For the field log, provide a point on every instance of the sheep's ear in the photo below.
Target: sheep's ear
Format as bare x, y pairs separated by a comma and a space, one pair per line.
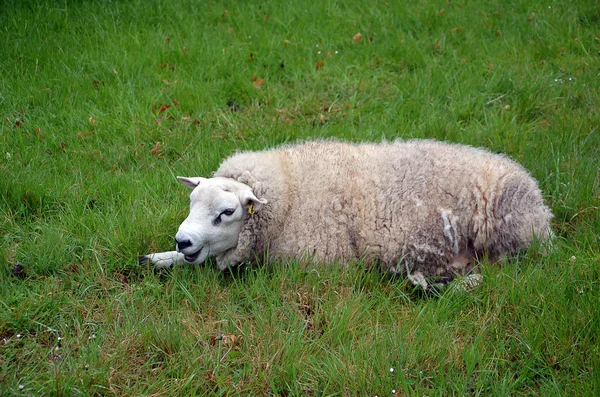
251, 202
190, 182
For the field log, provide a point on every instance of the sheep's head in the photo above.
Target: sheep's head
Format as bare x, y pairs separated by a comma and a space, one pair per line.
218, 209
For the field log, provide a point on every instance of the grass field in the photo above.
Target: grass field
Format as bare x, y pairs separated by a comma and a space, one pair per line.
102, 103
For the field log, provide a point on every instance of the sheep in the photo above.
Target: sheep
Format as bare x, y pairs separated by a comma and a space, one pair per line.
423, 209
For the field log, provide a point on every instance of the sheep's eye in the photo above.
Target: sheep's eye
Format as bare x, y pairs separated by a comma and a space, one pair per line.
228, 212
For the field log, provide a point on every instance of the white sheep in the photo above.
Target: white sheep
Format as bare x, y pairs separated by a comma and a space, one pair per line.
422, 208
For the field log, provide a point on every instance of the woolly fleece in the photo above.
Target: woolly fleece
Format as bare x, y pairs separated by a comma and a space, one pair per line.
417, 207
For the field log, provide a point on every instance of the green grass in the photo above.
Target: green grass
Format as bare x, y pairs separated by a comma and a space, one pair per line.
83, 193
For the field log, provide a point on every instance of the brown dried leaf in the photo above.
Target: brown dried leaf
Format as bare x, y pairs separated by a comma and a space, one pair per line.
156, 149
456, 30
163, 107
257, 82
320, 63
357, 38
38, 133
123, 279
83, 134
229, 340
167, 65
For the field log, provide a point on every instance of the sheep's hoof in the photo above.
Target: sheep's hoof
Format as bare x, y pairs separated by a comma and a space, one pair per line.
142, 260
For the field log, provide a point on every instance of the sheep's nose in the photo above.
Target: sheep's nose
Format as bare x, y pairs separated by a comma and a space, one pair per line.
183, 244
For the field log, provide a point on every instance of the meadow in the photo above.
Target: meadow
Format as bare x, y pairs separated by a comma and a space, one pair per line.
103, 103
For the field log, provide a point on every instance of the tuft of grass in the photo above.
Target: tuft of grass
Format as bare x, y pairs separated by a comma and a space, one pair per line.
103, 103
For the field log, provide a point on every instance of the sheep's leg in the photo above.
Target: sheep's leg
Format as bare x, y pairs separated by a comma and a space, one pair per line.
162, 260
416, 277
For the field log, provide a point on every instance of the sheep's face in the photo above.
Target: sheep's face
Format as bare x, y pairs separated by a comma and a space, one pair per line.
218, 209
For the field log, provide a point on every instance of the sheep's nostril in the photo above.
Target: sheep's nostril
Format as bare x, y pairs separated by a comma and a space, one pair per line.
183, 244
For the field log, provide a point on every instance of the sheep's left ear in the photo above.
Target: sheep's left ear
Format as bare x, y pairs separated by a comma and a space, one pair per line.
190, 182
251, 202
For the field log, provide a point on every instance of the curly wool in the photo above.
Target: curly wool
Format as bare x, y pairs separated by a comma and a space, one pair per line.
416, 206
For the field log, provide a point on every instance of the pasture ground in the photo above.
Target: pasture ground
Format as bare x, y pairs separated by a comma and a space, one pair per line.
102, 103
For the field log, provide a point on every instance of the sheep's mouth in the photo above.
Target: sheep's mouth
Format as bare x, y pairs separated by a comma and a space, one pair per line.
192, 257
